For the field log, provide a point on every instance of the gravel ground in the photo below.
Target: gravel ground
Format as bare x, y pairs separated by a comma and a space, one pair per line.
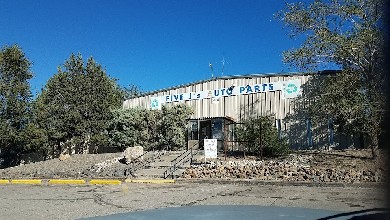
77, 166
107, 165
81, 201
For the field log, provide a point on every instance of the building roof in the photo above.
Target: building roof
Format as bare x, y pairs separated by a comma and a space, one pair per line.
208, 118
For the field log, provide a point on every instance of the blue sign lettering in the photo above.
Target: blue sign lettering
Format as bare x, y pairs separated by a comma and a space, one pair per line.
248, 89
223, 91
242, 89
229, 91
264, 85
257, 88
289, 87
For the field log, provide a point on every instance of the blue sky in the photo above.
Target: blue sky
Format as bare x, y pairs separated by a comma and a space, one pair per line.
149, 43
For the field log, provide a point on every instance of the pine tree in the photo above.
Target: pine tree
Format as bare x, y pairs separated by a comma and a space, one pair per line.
15, 98
75, 106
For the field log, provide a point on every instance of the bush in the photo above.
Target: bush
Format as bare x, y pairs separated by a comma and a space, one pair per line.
259, 135
152, 129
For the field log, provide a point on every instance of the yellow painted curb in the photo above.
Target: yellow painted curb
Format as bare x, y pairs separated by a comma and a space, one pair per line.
55, 181
111, 182
26, 181
4, 181
157, 181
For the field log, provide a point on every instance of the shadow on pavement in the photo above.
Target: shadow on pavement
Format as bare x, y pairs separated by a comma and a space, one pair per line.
227, 212
363, 214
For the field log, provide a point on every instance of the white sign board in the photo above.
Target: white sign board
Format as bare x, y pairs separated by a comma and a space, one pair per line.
290, 89
210, 148
155, 103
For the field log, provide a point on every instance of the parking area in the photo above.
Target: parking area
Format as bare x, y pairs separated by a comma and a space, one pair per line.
80, 201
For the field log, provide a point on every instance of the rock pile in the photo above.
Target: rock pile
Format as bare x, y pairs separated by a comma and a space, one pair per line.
313, 167
118, 166
293, 168
105, 164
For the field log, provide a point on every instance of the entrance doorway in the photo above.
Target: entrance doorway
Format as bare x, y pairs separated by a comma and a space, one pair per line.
208, 128
204, 131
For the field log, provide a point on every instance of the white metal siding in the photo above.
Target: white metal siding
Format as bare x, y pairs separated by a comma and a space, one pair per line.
240, 106
237, 107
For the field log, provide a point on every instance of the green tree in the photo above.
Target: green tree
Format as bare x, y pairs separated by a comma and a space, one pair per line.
134, 126
348, 34
15, 98
259, 135
152, 129
173, 126
131, 91
75, 106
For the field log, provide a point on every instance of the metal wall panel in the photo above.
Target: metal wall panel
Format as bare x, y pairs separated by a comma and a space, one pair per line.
236, 107
241, 106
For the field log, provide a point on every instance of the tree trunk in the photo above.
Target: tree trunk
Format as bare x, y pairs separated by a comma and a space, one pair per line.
374, 145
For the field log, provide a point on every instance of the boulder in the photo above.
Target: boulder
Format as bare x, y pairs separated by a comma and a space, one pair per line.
63, 157
133, 154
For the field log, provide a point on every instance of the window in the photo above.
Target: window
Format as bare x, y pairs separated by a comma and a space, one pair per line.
216, 129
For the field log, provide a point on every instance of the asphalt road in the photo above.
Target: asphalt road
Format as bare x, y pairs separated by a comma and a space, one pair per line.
234, 212
82, 201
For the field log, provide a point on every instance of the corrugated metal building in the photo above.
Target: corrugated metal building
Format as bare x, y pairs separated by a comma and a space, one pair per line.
237, 97
234, 106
